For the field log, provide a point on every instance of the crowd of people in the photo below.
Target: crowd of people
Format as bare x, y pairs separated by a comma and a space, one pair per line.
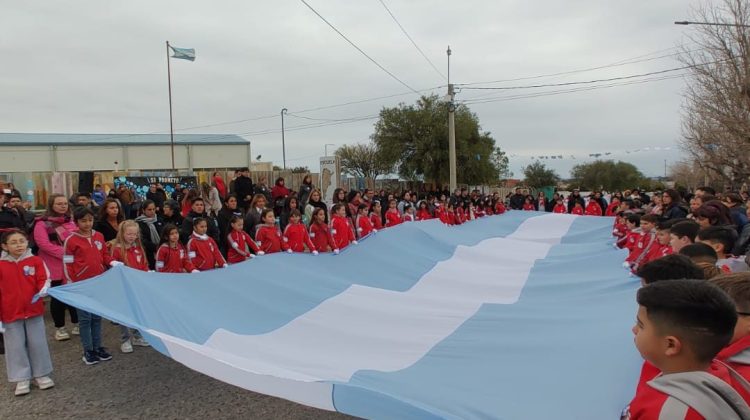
698, 324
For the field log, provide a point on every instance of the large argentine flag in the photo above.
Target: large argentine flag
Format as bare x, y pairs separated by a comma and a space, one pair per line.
521, 316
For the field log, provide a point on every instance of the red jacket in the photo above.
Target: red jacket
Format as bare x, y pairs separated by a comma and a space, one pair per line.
296, 237
730, 355
449, 218
376, 221
593, 208
500, 207
219, 182
529, 207
577, 210
643, 246
648, 402
341, 231
204, 253
423, 214
611, 209
320, 234
559, 208
239, 245
84, 257
407, 217
136, 257
173, 260
392, 218
20, 280
269, 239
364, 226
460, 215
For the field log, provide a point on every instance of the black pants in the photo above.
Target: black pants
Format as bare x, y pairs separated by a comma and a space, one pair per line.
57, 309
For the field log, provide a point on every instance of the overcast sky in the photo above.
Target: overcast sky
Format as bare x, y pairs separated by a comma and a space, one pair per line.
100, 67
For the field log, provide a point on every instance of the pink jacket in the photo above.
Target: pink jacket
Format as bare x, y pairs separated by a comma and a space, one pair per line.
51, 252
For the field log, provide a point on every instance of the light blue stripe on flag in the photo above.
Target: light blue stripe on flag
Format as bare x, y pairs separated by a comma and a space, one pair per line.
183, 53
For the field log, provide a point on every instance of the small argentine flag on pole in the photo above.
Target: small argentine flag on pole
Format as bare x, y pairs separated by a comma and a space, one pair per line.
183, 53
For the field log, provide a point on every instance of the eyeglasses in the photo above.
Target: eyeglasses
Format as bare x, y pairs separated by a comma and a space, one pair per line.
743, 313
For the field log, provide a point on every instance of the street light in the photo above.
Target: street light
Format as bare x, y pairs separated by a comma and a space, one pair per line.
283, 146
687, 22
326, 148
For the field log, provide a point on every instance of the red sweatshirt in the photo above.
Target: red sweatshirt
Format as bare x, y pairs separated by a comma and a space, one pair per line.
84, 257
134, 257
364, 226
735, 355
341, 231
408, 217
173, 260
612, 209
376, 221
643, 246
423, 214
559, 208
320, 234
240, 244
528, 207
593, 209
20, 280
392, 218
500, 207
577, 210
269, 239
296, 237
204, 253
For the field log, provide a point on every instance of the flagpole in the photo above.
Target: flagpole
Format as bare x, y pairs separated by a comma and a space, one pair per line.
171, 127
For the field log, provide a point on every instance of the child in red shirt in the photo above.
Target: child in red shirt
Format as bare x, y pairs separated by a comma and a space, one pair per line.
341, 229
171, 257
408, 214
392, 216
559, 206
296, 236
593, 208
239, 242
127, 249
423, 213
646, 240
681, 326
363, 223
376, 218
737, 353
320, 233
577, 209
500, 207
202, 249
85, 256
528, 205
268, 235
24, 277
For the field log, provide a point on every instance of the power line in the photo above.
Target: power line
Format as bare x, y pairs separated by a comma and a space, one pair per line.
412, 41
581, 82
358, 49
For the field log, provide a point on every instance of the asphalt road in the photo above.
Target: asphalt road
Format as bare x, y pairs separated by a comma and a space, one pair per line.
142, 384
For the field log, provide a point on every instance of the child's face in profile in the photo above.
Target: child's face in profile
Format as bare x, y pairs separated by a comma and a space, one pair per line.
201, 228
238, 224
630, 225
647, 338
646, 226
663, 236
269, 218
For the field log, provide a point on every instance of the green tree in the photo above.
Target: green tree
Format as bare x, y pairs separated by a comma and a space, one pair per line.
363, 160
413, 139
607, 175
300, 170
538, 175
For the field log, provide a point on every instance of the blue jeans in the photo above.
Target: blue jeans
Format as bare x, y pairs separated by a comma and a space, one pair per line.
90, 326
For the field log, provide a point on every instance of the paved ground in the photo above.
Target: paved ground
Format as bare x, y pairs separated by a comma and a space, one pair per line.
142, 384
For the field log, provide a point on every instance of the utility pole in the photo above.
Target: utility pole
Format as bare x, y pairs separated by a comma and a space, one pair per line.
283, 146
451, 128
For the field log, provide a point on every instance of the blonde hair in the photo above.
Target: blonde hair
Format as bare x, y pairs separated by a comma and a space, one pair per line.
119, 240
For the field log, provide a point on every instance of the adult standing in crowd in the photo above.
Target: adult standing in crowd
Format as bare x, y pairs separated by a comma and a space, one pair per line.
50, 232
157, 195
198, 209
243, 188
126, 198
517, 200
672, 205
279, 194
737, 211
172, 213
230, 208
150, 227
110, 217
218, 182
304, 191
9, 219
212, 198
574, 198
315, 202
262, 188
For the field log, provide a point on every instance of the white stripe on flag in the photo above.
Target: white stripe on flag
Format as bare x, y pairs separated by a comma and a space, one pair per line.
375, 329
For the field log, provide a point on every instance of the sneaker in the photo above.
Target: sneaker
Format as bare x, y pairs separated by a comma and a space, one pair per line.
45, 382
90, 358
23, 388
103, 354
126, 347
139, 341
75, 330
62, 334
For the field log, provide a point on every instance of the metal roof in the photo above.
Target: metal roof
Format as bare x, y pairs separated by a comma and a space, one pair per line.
66, 139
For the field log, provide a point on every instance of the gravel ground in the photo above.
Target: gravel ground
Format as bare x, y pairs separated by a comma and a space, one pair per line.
142, 384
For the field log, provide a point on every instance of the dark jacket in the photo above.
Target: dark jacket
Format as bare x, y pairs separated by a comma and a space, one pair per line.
252, 219
516, 201
675, 211
187, 227
243, 186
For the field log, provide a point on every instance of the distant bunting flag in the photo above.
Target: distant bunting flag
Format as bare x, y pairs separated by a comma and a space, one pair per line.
183, 53
520, 316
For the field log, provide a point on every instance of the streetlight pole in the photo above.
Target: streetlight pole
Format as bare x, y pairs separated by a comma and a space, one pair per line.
687, 22
283, 146
326, 148
451, 128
